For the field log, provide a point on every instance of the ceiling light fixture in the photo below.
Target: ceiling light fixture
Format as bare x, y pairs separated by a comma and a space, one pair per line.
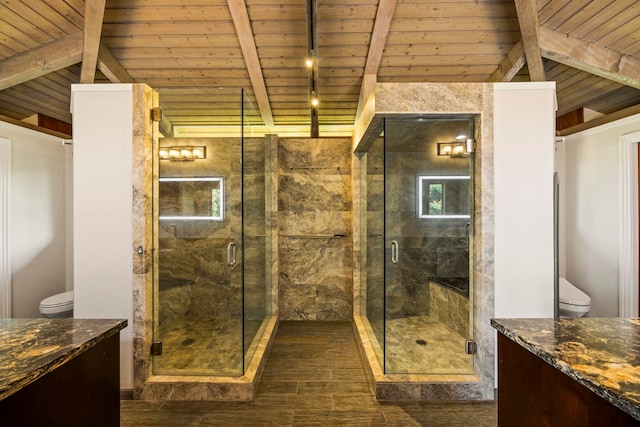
312, 14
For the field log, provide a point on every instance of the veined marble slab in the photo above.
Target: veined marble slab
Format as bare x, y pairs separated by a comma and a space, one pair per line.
602, 354
30, 348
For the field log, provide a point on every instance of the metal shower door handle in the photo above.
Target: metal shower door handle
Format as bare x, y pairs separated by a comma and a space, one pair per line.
395, 252
231, 254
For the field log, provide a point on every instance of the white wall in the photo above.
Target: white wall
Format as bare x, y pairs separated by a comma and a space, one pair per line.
103, 242
524, 129
592, 212
39, 188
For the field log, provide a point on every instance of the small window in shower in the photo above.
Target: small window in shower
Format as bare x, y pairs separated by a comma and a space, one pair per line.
191, 198
443, 196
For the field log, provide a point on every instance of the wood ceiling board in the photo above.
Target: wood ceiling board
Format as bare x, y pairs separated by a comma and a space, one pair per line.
10, 19
170, 41
236, 74
178, 53
154, 14
603, 18
34, 18
456, 9
444, 50
618, 26
611, 102
566, 12
26, 100
176, 28
624, 38
586, 12
457, 25
278, 13
446, 37
58, 13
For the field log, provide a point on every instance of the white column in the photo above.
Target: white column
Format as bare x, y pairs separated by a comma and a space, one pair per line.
102, 213
524, 134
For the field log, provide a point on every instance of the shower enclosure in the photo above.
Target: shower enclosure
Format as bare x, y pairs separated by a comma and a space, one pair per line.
212, 284
417, 228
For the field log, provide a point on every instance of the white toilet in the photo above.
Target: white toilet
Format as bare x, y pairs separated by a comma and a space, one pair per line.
58, 305
573, 302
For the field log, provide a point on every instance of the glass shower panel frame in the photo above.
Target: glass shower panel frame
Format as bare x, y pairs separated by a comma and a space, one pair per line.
427, 258
198, 276
256, 232
372, 244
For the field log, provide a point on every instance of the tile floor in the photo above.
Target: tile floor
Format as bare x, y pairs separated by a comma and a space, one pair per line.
313, 377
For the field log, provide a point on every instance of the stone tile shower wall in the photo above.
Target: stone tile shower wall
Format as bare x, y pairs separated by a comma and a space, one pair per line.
428, 247
315, 217
194, 279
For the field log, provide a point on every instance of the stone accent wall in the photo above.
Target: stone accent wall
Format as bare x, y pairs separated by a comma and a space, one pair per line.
314, 204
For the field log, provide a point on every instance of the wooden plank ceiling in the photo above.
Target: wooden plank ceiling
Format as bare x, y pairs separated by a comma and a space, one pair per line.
200, 54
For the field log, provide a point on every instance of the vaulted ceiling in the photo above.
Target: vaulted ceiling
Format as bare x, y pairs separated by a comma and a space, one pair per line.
188, 49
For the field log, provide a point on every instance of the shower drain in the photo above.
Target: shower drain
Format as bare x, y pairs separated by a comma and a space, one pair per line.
421, 342
187, 342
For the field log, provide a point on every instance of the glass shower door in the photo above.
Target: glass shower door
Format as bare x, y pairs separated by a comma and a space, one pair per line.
427, 236
198, 296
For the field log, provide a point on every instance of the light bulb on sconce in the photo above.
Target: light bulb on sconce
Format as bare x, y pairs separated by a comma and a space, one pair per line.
199, 152
182, 153
309, 62
314, 102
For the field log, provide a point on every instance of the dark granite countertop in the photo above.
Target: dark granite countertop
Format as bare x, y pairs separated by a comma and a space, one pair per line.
30, 348
603, 354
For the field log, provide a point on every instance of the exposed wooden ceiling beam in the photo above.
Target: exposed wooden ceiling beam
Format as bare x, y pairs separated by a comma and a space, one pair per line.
512, 63
111, 67
93, 16
42, 60
527, 11
240, 17
376, 47
590, 57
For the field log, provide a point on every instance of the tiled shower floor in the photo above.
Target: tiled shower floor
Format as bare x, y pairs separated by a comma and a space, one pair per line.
423, 345
201, 346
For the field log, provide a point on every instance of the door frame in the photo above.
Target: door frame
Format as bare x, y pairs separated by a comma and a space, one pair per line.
628, 224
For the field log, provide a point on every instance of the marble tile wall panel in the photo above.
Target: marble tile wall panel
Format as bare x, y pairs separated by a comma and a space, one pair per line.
314, 204
450, 308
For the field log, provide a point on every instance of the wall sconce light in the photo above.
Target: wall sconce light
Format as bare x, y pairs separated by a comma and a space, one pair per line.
183, 153
452, 149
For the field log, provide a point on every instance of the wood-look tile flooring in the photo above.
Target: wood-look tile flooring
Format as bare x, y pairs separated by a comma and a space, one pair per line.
313, 377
